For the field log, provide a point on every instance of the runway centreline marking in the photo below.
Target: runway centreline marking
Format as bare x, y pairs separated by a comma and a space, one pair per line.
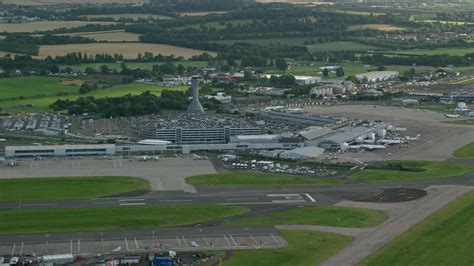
283, 195
244, 199
104, 202
131, 199
288, 201
132, 204
309, 197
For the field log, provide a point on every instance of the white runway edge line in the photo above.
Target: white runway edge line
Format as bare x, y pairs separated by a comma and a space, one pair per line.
132, 200
132, 204
309, 197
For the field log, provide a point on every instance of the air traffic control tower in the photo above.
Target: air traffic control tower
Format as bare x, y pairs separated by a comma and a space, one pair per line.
195, 107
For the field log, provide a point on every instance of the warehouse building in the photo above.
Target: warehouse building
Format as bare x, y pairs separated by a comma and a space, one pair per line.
377, 76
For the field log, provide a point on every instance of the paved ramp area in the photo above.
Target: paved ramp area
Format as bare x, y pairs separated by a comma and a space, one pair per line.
137, 241
401, 216
166, 174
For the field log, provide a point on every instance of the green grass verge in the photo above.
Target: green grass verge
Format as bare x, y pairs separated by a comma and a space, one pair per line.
111, 218
234, 178
305, 248
430, 170
33, 86
438, 51
465, 152
42, 101
444, 238
340, 46
316, 215
59, 188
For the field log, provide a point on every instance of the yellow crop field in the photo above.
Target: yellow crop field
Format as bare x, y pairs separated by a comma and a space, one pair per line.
46, 25
128, 50
381, 27
109, 36
128, 16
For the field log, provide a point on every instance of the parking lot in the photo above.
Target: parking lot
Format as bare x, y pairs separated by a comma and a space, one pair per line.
129, 242
165, 174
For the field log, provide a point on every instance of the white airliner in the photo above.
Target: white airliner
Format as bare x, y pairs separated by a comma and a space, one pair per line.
154, 142
393, 141
413, 138
368, 147
452, 116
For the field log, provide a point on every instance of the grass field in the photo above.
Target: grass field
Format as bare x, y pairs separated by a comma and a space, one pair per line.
33, 86
461, 122
340, 46
430, 170
204, 13
109, 36
444, 238
128, 16
26, 87
46, 25
438, 51
234, 178
380, 27
128, 50
436, 107
68, 187
465, 152
305, 248
316, 215
361, 13
111, 218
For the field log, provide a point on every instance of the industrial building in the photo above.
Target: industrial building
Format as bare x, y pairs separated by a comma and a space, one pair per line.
302, 119
377, 76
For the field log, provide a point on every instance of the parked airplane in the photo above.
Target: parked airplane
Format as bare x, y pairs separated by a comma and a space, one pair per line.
392, 141
368, 147
452, 116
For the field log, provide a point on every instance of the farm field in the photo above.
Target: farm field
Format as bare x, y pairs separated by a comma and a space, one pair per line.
46, 25
50, 2
441, 239
204, 13
128, 16
315, 215
340, 46
33, 86
466, 151
133, 65
362, 13
418, 170
128, 50
305, 248
381, 27
438, 51
448, 22
218, 25
42, 103
109, 36
269, 41
60, 188
111, 218
234, 178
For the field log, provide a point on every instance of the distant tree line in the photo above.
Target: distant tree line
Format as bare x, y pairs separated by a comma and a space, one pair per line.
128, 105
26, 44
421, 60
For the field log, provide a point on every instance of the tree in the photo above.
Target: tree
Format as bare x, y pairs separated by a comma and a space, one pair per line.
55, 69
325, 72
104, 69
90, 71
339, 72
281, 64
181, 69
381, 68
